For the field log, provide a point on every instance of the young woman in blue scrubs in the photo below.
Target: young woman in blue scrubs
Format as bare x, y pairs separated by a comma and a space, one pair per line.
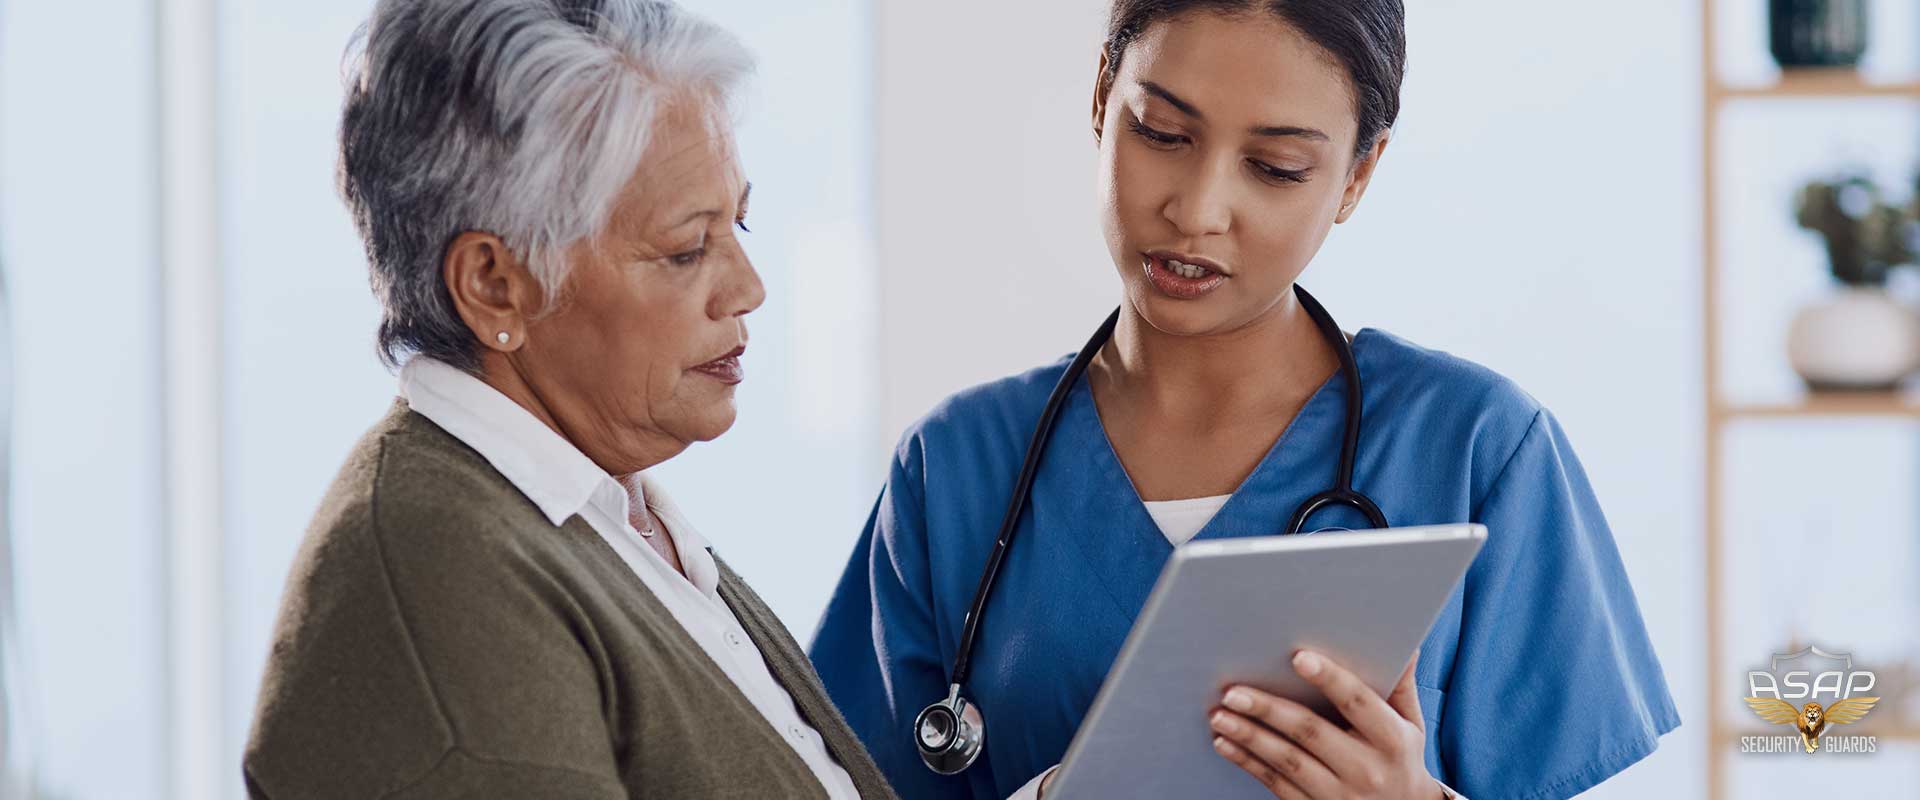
1233, 136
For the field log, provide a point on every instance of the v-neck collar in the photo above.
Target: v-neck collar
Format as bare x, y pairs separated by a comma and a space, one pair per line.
1128, 554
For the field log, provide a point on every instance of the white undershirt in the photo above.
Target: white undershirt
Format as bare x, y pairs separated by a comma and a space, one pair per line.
562, 482
1181, 520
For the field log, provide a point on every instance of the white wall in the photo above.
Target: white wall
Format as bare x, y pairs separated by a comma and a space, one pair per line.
990, 254
301, 381
76, 212
1536, 213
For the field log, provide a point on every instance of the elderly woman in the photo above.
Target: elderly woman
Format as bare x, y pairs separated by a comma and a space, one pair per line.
493, 599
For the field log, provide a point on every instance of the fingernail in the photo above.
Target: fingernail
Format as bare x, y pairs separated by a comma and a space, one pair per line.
1306, 663
1222, 746
1225, 723
1239, 700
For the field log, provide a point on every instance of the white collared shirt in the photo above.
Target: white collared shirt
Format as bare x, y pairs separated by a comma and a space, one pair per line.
562, 482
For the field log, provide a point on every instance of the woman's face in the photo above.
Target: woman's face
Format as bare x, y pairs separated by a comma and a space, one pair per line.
1227, 146
641, 356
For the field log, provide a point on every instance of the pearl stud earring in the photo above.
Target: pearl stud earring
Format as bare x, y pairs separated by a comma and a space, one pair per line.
503, 338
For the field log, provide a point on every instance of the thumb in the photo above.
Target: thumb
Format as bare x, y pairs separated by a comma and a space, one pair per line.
1406, 696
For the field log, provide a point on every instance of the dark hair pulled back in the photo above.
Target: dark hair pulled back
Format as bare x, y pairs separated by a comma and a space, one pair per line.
1367, 37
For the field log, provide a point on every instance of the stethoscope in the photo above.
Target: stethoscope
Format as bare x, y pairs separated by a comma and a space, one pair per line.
950, 733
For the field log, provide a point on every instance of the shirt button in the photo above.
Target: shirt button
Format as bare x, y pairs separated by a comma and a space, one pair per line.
733, 639
797, 733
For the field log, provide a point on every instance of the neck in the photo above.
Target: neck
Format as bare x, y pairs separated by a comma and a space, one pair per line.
1274, 361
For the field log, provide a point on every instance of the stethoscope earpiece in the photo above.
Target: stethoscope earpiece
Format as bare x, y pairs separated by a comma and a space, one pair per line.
950, 734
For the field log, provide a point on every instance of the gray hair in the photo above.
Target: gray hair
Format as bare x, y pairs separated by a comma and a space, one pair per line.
521, 118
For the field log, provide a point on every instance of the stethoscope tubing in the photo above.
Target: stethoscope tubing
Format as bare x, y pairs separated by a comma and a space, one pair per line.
962, 730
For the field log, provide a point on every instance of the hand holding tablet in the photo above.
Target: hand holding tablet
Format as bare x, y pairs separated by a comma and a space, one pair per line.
1236, 613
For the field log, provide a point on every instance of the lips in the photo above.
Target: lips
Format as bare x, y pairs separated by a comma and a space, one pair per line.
1182, 277
725, 369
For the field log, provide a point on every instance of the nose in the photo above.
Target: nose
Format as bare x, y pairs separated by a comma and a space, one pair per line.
741, 293
1201, 203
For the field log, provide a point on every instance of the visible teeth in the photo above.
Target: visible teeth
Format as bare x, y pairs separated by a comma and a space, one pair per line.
1186, 270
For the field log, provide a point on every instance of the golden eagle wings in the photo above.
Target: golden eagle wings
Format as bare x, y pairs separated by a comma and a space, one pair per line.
1811, 719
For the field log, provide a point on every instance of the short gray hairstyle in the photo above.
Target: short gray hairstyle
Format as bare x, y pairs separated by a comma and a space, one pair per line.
521, 118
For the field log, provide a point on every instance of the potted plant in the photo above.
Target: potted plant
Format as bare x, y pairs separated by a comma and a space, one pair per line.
1817, 33
1859, 337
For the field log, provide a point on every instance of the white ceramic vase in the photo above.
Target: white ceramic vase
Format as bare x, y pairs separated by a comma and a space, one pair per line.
1858, 339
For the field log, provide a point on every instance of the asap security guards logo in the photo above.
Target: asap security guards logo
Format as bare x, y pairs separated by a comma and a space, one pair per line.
1810, 691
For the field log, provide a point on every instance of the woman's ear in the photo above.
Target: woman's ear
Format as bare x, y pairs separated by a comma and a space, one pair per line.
1102, 84
1361, 178
491, 289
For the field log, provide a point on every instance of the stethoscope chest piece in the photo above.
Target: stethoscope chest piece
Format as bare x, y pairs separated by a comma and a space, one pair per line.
950, 734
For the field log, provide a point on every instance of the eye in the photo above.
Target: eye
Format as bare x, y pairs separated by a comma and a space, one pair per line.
741, 223
690, 258
1274, 174
1155, 138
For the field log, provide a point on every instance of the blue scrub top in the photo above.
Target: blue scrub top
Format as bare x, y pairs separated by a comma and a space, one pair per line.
1537, 681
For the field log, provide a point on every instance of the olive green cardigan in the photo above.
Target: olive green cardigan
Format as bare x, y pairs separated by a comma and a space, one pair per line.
441, 638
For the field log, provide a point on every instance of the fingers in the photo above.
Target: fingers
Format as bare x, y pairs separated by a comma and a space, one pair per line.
1359, 704
1285, 772
1288, 732
1405, 698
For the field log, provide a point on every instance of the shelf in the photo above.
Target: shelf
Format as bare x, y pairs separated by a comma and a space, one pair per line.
1816, 84
1829, 404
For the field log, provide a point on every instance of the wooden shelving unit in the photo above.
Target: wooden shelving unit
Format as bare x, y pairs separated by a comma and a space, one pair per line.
1828, 405
1808, 84
1814, 84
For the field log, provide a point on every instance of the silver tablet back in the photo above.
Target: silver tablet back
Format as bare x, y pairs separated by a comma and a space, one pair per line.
1233, 611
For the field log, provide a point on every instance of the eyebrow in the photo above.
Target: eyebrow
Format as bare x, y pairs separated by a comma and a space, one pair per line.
1172, 99
714, 212
1281, 131
1293, 131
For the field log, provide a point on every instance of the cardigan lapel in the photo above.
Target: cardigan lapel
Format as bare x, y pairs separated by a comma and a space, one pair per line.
794, 671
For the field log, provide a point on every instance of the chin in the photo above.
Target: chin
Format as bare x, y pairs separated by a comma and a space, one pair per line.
715, 422
1211, 314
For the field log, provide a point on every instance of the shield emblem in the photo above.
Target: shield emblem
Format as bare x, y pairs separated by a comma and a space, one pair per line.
1812, 659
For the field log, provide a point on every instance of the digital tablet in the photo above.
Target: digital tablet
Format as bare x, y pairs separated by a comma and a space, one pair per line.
1233, 611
